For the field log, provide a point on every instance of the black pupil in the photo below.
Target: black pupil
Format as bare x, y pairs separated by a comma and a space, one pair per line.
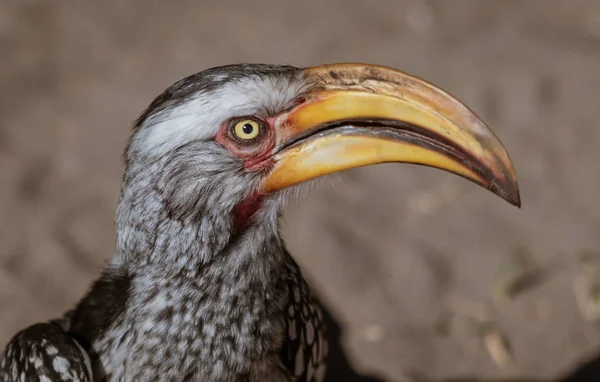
248, 129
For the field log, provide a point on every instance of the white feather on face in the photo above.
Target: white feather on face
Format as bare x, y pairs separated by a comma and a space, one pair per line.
200, 116
179, 174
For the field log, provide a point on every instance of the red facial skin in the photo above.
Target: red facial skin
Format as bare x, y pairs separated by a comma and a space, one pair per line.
256, 157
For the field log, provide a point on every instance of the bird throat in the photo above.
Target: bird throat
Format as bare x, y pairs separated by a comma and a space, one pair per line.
245, 211
192, 284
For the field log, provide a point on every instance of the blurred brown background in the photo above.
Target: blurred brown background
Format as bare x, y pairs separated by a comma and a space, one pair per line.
412, 260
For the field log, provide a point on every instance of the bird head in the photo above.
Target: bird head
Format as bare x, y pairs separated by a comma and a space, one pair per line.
231, 140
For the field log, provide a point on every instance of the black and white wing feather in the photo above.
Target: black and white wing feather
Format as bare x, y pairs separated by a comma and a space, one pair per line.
304, 352
46, 353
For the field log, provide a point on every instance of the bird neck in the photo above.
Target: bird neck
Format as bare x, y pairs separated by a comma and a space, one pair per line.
154, 237
194, 285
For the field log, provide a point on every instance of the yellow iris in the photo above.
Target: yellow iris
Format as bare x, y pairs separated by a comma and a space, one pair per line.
246, 129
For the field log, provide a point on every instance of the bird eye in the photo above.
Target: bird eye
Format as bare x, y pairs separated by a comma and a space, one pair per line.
246, 129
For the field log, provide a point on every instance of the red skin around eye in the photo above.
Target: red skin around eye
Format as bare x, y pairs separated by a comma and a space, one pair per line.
256, 157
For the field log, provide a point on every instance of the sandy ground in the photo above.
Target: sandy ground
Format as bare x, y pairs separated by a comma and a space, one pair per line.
408, 257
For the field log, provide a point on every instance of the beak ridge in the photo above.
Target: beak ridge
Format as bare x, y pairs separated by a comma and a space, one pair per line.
357, 115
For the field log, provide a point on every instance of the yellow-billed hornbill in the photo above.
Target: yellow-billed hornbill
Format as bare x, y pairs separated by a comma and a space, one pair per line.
201, 286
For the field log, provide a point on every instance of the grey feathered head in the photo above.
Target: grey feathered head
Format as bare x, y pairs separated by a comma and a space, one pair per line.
224, 143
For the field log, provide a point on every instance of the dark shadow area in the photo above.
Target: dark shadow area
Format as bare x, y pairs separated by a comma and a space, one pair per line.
339, 367
587, 371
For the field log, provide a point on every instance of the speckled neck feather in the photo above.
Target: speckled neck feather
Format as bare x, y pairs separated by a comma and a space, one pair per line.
201, 286
192, 282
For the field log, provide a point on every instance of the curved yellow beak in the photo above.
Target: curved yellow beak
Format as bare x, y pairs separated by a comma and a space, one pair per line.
357, 115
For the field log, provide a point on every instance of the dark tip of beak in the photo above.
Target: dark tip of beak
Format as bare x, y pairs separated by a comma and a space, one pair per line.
508, 191
515, 199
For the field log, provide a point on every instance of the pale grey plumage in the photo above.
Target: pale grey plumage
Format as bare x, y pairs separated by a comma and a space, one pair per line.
190, 294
